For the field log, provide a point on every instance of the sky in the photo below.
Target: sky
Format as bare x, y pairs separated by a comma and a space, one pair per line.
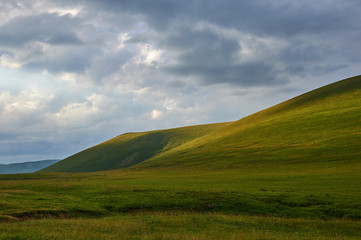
75, 73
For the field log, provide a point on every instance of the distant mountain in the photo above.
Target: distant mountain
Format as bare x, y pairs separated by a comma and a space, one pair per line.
25, 167
323, 125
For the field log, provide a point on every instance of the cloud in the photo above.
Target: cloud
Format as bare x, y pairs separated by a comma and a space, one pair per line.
6, 61
74, 11
149, 55
215, 58
47, 28
156, 114
209, 43
23, 106
239, 35
89, 70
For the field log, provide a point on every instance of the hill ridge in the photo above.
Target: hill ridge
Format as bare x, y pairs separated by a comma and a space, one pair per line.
131, 148
339, 87
304, 126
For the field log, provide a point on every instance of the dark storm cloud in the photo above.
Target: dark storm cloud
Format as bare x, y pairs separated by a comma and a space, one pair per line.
276, 17
314, 33
317, 37
285, 18
250, 74
212, 58
46, 41
157, 13
67, 60
48, 28
139, 38
105, 64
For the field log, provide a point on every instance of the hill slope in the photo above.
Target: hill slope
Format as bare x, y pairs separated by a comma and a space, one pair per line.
321, 125
130, 148
25, 167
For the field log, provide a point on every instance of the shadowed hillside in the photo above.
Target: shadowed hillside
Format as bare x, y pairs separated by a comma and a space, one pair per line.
130, 148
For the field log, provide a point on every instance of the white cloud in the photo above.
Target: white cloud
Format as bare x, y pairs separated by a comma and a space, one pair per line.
156, 114
121, 39
68, 77
80, 113
6, 61
149, 55
64, 11
30, 100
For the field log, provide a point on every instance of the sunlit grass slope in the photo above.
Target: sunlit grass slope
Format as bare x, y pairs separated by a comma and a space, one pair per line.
320, 126
130, 148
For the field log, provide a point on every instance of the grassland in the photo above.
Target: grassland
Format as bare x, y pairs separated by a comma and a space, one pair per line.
144, 204
289, 172
181, 226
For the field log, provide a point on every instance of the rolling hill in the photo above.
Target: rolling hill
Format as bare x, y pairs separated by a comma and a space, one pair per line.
318, 126
130, 148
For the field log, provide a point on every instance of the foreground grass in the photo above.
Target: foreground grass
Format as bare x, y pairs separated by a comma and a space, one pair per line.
299, 200
167, 225
293, 190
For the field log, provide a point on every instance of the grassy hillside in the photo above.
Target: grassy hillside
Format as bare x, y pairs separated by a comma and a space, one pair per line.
25, 167
322, 125
130, 148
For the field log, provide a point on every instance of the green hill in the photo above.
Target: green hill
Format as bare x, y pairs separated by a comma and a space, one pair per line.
321, 125
130, 148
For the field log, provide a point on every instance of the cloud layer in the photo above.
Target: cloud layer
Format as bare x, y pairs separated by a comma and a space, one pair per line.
74, 73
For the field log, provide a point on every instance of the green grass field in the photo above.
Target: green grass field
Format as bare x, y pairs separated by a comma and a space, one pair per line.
168, 204
289, 172
161, 225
